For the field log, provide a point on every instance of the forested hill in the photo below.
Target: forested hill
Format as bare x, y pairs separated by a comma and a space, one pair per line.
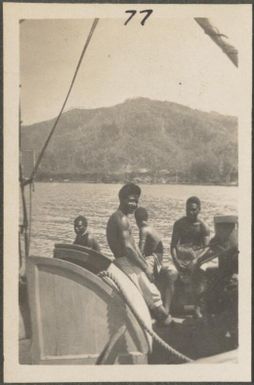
139, 137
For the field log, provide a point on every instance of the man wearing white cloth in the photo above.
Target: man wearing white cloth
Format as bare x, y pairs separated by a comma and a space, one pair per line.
127, 255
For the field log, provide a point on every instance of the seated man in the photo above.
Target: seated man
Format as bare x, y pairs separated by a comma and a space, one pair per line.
189, 240
221, 297
127, 255
84, 238
151, 247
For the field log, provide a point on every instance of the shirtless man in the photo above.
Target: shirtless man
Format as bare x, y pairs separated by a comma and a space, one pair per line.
127, 255
151, 247
84, 238
189, 238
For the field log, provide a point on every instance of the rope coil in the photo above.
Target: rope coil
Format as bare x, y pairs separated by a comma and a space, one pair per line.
158, 339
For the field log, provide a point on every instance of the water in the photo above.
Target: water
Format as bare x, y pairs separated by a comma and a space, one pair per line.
55, 206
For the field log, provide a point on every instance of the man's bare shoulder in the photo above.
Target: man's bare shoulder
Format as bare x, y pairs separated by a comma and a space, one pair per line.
90, 237
180, 222
148, 230
204, 226
145, 230
118, 218
202, 222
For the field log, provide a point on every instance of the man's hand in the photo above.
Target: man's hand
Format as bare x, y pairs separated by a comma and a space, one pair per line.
181, 267
22, 274
149, 273
193, 265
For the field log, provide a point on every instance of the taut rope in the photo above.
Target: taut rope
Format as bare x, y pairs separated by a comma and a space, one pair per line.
168, 348
65, 101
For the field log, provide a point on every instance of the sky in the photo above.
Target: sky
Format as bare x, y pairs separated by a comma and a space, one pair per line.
166, 59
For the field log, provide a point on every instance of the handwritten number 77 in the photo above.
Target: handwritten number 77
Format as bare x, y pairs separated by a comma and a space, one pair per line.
133, 12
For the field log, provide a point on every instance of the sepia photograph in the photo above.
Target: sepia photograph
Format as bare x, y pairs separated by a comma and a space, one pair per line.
127, 192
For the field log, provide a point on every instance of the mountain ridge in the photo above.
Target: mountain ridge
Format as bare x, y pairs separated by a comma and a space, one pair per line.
136, 134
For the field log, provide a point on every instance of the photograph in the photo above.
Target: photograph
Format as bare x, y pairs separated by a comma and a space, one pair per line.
127, 202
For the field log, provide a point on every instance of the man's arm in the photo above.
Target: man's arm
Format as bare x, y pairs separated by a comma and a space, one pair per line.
96, 246
143, 234
206, 234
131, 251
92, 243
207, 253
174, 241
142, 240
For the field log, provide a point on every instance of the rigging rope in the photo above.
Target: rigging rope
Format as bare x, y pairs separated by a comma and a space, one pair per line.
23, 228
31, 189
158, 339
95, 22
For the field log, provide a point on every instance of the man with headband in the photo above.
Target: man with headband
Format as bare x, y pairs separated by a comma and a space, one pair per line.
127, 255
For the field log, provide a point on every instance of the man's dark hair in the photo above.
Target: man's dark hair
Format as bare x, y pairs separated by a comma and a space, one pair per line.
195, 200
141, 214
129, 189
82, 219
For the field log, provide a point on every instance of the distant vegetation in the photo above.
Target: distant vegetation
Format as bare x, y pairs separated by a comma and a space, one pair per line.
140, 139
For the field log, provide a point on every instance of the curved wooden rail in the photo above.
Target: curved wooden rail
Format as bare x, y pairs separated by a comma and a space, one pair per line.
82, 256
76, 317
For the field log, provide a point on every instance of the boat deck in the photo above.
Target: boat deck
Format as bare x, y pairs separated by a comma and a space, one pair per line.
194, 338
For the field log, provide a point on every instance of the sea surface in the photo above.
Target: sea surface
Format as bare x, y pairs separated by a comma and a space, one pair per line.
55, 206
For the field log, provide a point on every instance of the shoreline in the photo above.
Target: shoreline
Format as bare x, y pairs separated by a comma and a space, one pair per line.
138, 182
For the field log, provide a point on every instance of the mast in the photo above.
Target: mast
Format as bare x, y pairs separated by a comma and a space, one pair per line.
24, 227
218, 38
95, 22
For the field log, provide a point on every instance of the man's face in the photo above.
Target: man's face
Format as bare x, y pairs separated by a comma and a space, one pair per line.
192, 211
79, 227
130, 203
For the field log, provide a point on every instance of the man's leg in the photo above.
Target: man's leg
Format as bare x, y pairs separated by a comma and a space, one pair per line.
199, 285
164, 280
149, 291
153, 299
150, 260
170, 275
